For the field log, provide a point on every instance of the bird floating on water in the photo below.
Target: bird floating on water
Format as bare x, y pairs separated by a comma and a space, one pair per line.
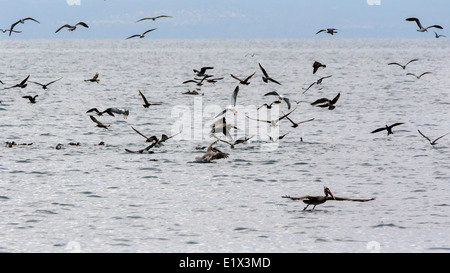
317, 200
266, 77
146, 103
387, 128
72, 28
434, 142
212, 153
21, 21
421, 28
404, 66
324, 102
141, 35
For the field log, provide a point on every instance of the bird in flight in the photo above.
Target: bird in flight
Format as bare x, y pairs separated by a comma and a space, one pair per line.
93, 79
72, 28
421, 28
316, 66
153, 18
244, 82
438, 35
387, 128
327, 102
404, 66
99, 124
295, 124
45, 86
280, 98
146, 103
266, 77
232, 106
274, 122
432, 142
32, 99
141, 35
319, 81
420, 76
331, 31
7, 30
21, 21
22, 84
201, 72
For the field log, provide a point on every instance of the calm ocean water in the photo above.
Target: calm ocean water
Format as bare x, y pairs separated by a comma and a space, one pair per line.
99, 198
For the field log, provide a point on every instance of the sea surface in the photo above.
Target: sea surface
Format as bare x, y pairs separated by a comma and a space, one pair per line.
100, 198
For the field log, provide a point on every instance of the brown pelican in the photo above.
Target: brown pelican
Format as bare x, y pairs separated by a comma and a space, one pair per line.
387, 128
421, 28
420, 76
21, 21
72, 28
99, 124
32, 99
295, 124
212, 153
434, 142
22, 84
404, 66
266, 77
280, 98
319, 81
316, 66
93, 79
232, 106
275, 121
438, 35
141, 35
45, 86
201, 72
244, 82
153, 18
328, 30
327, 102
317, 200
146, 103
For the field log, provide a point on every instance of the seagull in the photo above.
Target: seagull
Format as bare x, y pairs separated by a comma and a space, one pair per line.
438, 35
22, 84
418, 77
434, 142
212, 153
319, 81
221, 126
146, 103
266, 77
232, 106
94, 79
99, 124
404, 66
274, 122
421, 28
6, 30
387, 128
269, 106
327, 102
236, 142
72, 28
31, 98
201, 72
141, 35
244, 82
295, 124
45, 86
153, 18
280, 98
111, 111
316, 66
21, 21
317, 200
328, 30
278, 138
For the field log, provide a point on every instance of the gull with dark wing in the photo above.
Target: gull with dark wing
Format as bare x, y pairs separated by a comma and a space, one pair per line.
280, 98
438, 35
22, 84
93, 79
141, 35
316, 65
387, 128
274, 122
266, 77
146, 103
331, 31
232, 106
99, 124
434, 142
278, 138
32, 99
212, 153
404, 66
421, 28
147, 139
153, 18
243, 82
295, 124
45, 86
108, 111
269, 106
324, 102
72, 28
317, 200
21, 21
319, 81
111, 111
420, 76
221, 126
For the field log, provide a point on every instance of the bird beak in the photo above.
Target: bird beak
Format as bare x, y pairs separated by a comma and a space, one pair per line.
330, 193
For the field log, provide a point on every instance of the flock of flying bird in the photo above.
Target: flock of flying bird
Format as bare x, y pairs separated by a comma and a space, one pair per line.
221, 126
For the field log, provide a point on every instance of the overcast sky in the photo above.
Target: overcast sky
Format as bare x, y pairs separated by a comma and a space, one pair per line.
226, 18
